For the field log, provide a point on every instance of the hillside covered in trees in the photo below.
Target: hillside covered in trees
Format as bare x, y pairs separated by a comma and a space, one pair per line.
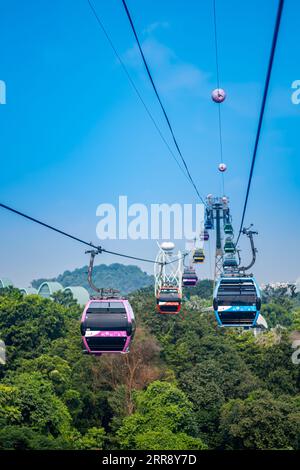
117, 276
185, 384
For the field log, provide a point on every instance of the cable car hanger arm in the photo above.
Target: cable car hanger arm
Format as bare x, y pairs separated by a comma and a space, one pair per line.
249, 233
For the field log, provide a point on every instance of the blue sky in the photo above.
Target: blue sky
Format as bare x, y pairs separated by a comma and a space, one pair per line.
73, 134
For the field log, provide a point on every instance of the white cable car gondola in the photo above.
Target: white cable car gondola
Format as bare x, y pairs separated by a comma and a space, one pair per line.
168, 279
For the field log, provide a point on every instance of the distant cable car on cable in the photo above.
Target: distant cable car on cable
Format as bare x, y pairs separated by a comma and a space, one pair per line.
198, 256
107, 323
237, 302
168, 279
230, 262
168, 300
228, 229
222, 167
204, 235
218, 95
189, 277
208, 221
229, 246
208, 224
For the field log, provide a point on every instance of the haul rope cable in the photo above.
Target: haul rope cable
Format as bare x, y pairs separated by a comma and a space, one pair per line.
160, 101
262, 110
135, 88
218, 87
90, 244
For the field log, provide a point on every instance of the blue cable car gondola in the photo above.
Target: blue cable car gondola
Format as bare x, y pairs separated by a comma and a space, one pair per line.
237, 302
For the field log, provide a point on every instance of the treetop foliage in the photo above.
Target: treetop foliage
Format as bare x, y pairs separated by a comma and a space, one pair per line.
186, 384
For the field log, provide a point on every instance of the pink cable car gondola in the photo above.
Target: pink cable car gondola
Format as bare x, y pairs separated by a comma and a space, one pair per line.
204, 235
107, 323
107, 326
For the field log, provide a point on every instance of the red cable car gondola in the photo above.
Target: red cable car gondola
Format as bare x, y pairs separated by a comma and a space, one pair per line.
168, 300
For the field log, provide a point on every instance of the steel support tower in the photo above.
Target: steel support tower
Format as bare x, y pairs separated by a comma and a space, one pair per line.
218, 211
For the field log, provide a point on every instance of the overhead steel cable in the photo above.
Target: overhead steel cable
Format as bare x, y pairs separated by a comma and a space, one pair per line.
100, 23
160, 101
68, 235
216, 43
218, 87
262, 110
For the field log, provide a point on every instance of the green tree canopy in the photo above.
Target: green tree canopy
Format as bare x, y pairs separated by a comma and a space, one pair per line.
260, 422
161, 407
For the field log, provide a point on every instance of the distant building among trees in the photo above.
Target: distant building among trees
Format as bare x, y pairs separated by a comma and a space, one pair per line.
48, 289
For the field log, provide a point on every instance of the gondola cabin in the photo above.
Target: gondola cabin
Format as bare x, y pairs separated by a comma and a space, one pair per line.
198, 256
107, 326
204, 235
168, 300
229, 246
189, 277
230, 262
237, 302
228, 229
208, 224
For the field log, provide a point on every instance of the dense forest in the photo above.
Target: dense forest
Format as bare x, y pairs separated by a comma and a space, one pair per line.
185, 384
126, 279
